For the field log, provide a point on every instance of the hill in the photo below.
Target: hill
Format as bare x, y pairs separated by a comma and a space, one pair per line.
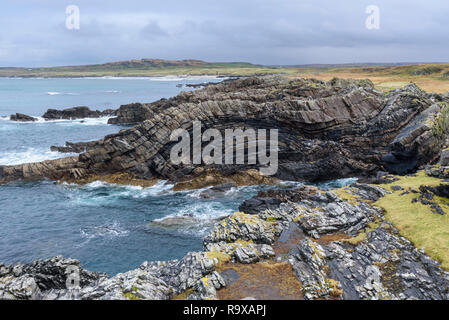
145, 67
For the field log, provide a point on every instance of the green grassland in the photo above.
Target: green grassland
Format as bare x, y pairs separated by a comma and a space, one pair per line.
148, 67
430, 77
415, 221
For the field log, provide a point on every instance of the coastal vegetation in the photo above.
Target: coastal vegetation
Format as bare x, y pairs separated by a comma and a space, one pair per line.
414, 220
429, 77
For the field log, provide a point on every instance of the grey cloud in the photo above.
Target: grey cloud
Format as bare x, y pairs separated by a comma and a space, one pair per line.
263, 31
152, 31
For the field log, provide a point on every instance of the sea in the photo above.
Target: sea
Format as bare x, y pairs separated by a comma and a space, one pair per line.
109, 228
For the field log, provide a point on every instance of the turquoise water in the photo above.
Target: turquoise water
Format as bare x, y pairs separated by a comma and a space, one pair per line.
109, 228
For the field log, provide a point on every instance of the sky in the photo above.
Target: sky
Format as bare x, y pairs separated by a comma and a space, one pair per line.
34, 33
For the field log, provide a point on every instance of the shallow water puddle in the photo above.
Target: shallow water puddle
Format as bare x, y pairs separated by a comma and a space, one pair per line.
267, 280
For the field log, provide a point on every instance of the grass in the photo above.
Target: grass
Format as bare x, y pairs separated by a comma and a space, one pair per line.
362, 234
430, 77
222, 257
184, 295
416, 221
147, 67
130, 296
344, 193
412, 182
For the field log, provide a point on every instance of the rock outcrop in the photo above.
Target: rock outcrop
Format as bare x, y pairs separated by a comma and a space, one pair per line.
327, 130
76, 113
336, 243
20, 117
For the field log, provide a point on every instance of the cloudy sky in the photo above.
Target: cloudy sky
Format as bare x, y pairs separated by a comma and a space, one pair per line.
275, 32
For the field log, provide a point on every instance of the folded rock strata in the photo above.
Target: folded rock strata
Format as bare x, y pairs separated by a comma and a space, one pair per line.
76, 113
327, 130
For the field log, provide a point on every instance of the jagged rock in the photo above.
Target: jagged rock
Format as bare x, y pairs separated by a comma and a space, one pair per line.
444, 158
53, 169
327, 130
245, 227
257, 204
22, 118
241, 251
34, 280
377, 264
383, 266
132, 113
317, 212
19, 288
417, 143
51, 273
437, 171
183, 274
309, 267
132, 285
213, 177
206, 288
217, 191
367, 192
76, 113
386, 266
78, 147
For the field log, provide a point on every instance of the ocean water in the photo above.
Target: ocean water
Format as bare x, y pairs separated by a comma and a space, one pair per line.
109, 228
29, 142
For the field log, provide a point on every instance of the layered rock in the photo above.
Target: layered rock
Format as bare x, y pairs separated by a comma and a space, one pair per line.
76, 113
338, 246
327, 130
20, 117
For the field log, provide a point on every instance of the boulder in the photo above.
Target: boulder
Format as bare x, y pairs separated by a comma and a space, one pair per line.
20, 117
76, 113
334, 129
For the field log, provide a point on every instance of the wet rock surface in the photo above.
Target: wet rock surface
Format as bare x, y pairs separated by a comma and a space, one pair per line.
76, 113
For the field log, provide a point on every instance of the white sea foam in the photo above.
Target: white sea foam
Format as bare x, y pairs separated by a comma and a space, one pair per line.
202, 211
292, 183
82, 121
107, 192
202, 215
56, 93
338, 183
107, 231
30, 155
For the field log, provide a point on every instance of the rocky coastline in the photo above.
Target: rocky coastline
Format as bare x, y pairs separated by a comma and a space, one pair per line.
333, 244
65, 114
327, 130
346, 243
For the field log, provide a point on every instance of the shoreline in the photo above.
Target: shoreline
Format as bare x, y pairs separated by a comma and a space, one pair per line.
169, 76
312, 235
244, 253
